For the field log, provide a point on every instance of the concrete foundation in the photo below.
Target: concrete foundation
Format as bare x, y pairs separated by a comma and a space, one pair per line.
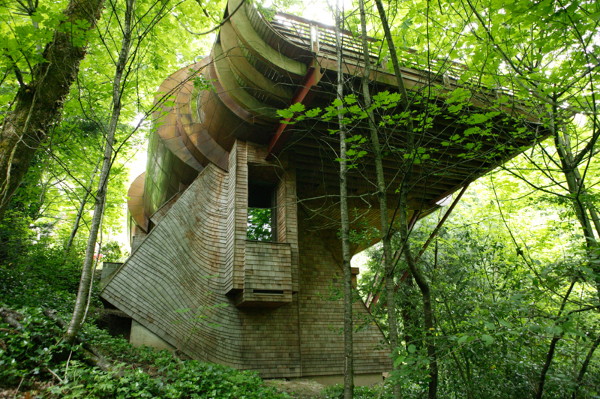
141, 336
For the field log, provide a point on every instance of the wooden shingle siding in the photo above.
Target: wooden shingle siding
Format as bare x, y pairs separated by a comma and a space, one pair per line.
201, 286
267, 274
287, 217
172, 283
237, 208
321, 313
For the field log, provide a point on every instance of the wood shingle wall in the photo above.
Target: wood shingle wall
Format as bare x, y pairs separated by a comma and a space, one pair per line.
198, 284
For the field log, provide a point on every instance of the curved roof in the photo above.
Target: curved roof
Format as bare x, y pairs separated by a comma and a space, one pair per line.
135, 202
258, 66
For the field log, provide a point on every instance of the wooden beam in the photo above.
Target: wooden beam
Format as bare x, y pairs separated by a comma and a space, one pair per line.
280, 137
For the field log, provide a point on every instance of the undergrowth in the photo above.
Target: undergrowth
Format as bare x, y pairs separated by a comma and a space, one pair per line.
35, 356
35, 362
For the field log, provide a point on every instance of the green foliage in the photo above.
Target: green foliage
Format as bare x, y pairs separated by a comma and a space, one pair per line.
40, 276
34, 271
260, 221
274, 6
15, 235
496, 304
112, 252
167, 378
36, 353
24, 31
29, 353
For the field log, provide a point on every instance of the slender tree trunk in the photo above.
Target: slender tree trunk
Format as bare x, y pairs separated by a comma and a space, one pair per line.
428, 319
422, 283
80, 211
584, 211
393, 54
406, 304
88, 265
586, 214
345, 223
39, 102
384, 225
465, 372
585, 365
539, 392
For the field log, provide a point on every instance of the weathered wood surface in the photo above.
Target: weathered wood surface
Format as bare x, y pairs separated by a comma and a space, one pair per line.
172, 284
176, 283
135, 202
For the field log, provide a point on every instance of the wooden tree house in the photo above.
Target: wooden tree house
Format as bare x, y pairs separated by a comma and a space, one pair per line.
194, 280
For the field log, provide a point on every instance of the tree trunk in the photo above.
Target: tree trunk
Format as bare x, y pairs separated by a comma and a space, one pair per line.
585, 365
345, 223
85, 282
428, 320
393, 54
384, 226
403, 212
80, 211
585, 212
539, 391
38, 104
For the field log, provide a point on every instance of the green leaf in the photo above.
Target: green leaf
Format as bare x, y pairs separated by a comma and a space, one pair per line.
463, 339
471, 130
285, 113
350, 99
399, 360
487, 339
297, 107
313, 112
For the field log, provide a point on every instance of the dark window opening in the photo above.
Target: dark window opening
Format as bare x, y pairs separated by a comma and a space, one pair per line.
261, 213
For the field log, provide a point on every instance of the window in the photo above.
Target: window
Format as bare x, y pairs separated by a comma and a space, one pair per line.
261, 212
